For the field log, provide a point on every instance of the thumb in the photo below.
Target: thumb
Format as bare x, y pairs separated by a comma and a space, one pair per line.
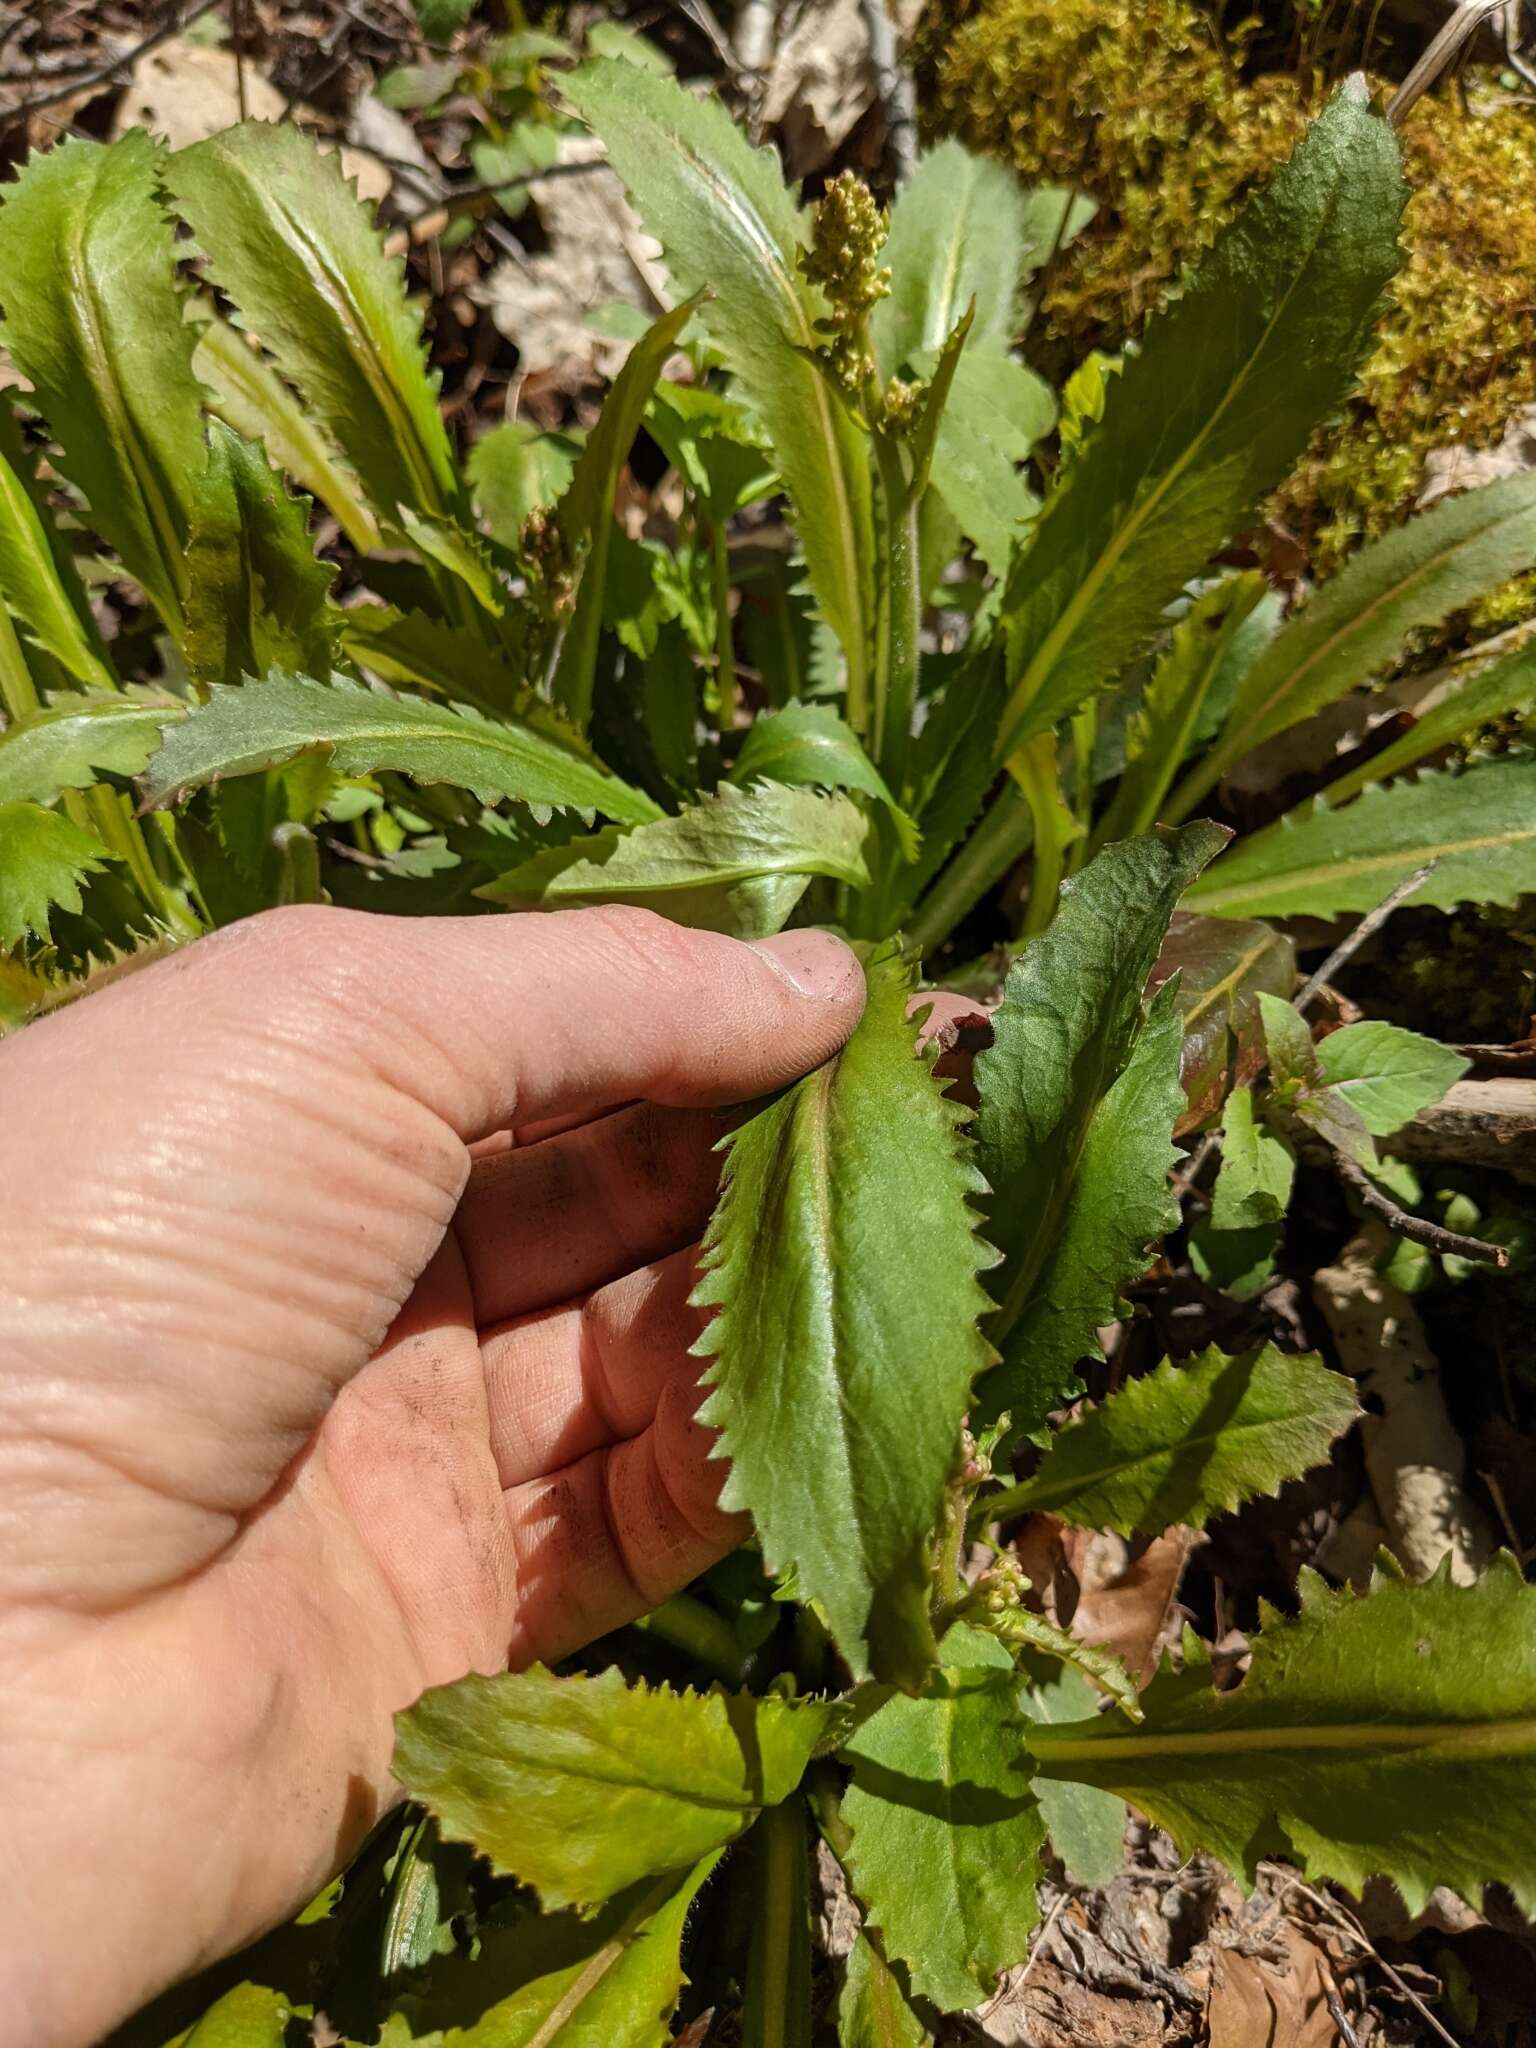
495, 1021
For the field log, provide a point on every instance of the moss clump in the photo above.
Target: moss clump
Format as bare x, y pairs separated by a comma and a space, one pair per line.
1142, 104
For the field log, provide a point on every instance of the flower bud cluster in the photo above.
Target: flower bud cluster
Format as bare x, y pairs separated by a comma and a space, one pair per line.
847, 235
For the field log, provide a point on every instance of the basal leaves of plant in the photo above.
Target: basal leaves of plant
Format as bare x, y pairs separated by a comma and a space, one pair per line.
282, 233
1479, 828
1080, 1091
1187, 1442
839, 1379
728, 226
93, 317
1208, 415
1359, 621
738, 862
946, 1831
78, 739
583, 1786
44, 857
259, 724
1392, 1731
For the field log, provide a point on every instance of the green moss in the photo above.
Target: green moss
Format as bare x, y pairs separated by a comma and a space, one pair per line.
1142, 104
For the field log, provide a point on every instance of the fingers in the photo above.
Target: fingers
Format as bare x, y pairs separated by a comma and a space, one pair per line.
500, 1022
618, 1532
551, 1221
572, 1379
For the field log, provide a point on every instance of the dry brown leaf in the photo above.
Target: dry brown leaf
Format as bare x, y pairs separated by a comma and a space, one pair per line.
1256, 2003
1128, 1594
821, 83
598, 253
1458, 468
1053, 2008
185, 91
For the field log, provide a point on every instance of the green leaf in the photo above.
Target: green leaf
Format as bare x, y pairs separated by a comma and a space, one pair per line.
582, 1786
809, 746
1393, 1732
1086, 1827
250, 2016
714, 445
1208, 415
42, 859
1358, 623
79, 739
872, 2009
946, 1831
586, 510
1257, 1169
729, 226
1494, 692
1079, 1094
997, 410
94, 320
736, 862
957, 234
515, 470
1387, 1075
285, 236
440, 19
461, 552
1480, 829
247, 394
31, 588
843, 1261
1292, 1055
1188, 1442
567, 1980
1163, 726
258, 598
242, 730
451, 661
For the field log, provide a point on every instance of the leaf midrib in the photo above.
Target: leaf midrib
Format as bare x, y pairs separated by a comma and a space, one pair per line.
1038, 672
1044, 1498
1243, 736
1455, 1736
737, 206
1363, 864
85, 320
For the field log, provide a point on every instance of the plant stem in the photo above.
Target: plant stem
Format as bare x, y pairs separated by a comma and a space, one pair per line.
1001, 838
688, 1625
1085, 736
18, 693
777, 2008
725, 653
900, 615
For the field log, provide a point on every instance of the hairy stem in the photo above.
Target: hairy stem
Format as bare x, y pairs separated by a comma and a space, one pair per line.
777, 2009
1002, 837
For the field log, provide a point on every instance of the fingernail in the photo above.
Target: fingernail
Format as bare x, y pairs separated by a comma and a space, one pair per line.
813, 963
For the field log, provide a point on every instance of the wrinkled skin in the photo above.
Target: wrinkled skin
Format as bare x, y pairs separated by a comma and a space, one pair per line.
344, 1331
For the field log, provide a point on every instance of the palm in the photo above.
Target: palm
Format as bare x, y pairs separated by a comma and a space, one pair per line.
317, 1395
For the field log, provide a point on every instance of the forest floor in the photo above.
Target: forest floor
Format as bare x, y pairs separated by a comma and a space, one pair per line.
513, 257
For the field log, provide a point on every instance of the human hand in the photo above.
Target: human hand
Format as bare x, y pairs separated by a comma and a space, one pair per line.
316, 1391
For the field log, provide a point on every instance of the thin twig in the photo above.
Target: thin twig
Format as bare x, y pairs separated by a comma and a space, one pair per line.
449, 206
1368, 926
102, 74
1351, 1929
894, 87
1417, 1229
1467, 18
